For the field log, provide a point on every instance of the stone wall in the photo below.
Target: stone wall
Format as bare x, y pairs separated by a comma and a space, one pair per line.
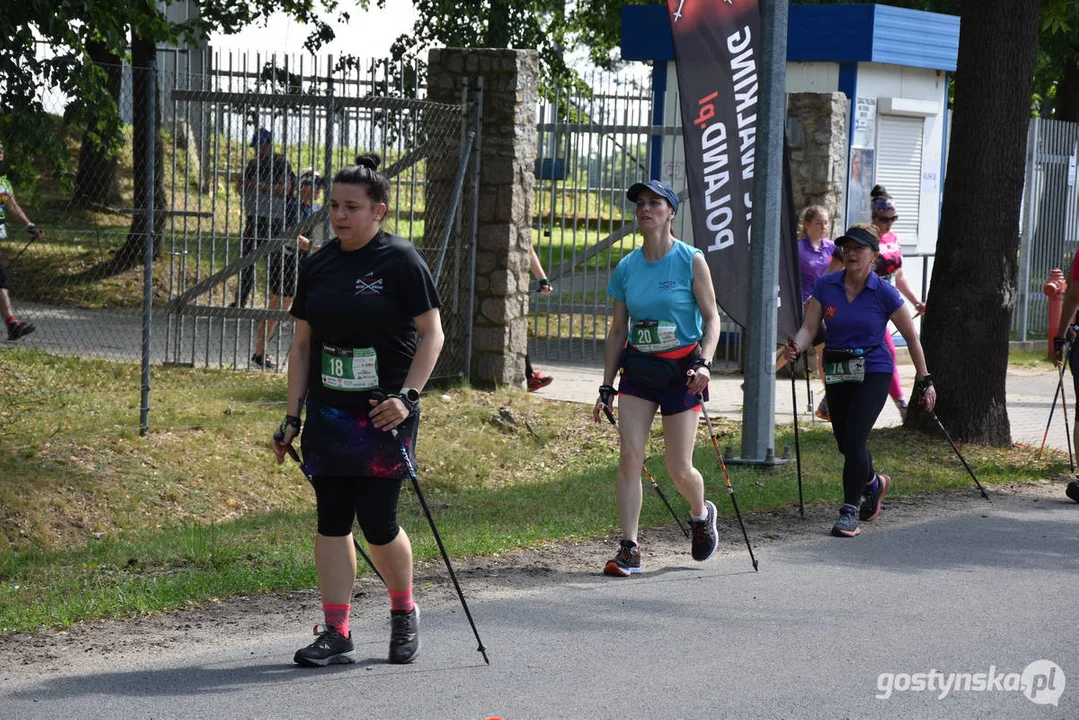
510, 81
817, 132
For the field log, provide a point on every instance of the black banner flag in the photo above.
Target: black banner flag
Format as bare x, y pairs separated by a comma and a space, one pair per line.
716, 47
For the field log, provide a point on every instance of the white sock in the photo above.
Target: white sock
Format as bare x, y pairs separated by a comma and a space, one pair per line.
699, 517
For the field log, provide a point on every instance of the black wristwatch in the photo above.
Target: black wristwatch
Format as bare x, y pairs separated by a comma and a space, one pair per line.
410, 397
290, 421
701, 362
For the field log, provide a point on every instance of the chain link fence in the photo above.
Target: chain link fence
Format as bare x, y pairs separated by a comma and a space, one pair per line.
239, 167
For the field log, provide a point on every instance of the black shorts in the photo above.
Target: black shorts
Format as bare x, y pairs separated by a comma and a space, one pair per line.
673, 397
282, 268
3, 276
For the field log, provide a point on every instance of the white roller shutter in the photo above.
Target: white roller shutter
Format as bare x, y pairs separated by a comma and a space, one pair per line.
899, 169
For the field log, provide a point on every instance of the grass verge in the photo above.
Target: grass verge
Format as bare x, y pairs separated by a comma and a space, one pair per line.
97, 522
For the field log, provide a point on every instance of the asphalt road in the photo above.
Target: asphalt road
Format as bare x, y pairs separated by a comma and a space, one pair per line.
987, 589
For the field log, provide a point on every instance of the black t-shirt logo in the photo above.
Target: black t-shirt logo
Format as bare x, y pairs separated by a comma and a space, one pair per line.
369, 285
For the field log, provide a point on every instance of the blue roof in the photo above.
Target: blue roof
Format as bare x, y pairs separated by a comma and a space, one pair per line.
824, 33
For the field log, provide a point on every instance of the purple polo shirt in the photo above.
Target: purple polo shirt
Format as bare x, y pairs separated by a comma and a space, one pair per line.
813, 262
861, 323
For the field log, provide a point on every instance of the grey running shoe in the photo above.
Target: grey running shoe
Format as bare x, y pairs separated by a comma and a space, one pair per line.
404, 635
872, 501
822, 410
901, 406
627, 562
331, 648
847, 525
705, 539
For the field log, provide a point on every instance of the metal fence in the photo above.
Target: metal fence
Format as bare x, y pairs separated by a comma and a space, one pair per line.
1050, 219
596, 138
81, 285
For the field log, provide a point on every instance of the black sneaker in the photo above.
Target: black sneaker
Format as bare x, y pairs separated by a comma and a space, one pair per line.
264, 361
1072, 490
627, 562
705, 540
871, 501
404, 635
331, 648
847, 525
19, 329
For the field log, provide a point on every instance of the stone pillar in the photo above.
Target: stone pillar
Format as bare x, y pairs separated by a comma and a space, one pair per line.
817, 132
507, 167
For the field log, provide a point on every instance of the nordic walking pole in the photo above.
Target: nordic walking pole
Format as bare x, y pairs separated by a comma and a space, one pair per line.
1064, 409
797, 444
381, 397
1060, 389
1052, 408
652, 480
296, 456
959, 454
809, 390
730, 488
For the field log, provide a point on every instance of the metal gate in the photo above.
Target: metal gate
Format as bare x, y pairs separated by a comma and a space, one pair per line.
594, 140
318, 119
1050, 219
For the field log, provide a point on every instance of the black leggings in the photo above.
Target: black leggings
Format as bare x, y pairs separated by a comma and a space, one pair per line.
854, 408
371, 500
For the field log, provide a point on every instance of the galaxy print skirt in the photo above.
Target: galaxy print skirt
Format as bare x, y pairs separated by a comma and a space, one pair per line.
345, 442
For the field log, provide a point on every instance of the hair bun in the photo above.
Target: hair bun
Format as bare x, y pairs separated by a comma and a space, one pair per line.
370, 160
879, 191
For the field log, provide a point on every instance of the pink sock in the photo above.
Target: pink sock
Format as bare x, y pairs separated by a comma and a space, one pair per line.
402, 600
336, 617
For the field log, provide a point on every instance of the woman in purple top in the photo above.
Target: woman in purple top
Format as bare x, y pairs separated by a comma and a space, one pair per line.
889, 266
857, 305
814, 249
814, 255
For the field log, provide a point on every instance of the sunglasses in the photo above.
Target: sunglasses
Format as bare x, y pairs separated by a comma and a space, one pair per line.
893, 218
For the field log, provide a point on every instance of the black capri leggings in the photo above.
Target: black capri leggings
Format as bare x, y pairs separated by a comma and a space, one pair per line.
854, 408
371, 500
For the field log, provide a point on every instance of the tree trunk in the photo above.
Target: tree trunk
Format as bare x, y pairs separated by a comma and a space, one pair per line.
497, 34
132, 251
1067, 100
967, 327
96, 182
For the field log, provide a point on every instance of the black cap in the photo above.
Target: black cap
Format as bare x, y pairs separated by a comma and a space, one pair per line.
860, 236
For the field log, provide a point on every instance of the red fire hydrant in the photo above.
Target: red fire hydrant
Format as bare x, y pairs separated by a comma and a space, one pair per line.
1054, 289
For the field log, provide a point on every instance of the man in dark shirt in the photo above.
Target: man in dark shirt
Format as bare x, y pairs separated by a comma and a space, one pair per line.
267, 184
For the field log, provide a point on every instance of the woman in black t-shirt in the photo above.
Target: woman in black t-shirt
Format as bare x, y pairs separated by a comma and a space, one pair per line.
367, 319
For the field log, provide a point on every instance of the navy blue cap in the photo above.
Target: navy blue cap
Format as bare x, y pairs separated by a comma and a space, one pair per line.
662, 189
860, 236
262, 135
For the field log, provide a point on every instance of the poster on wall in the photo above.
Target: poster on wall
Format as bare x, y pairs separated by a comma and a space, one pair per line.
865, 123
860, 182
862, 171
